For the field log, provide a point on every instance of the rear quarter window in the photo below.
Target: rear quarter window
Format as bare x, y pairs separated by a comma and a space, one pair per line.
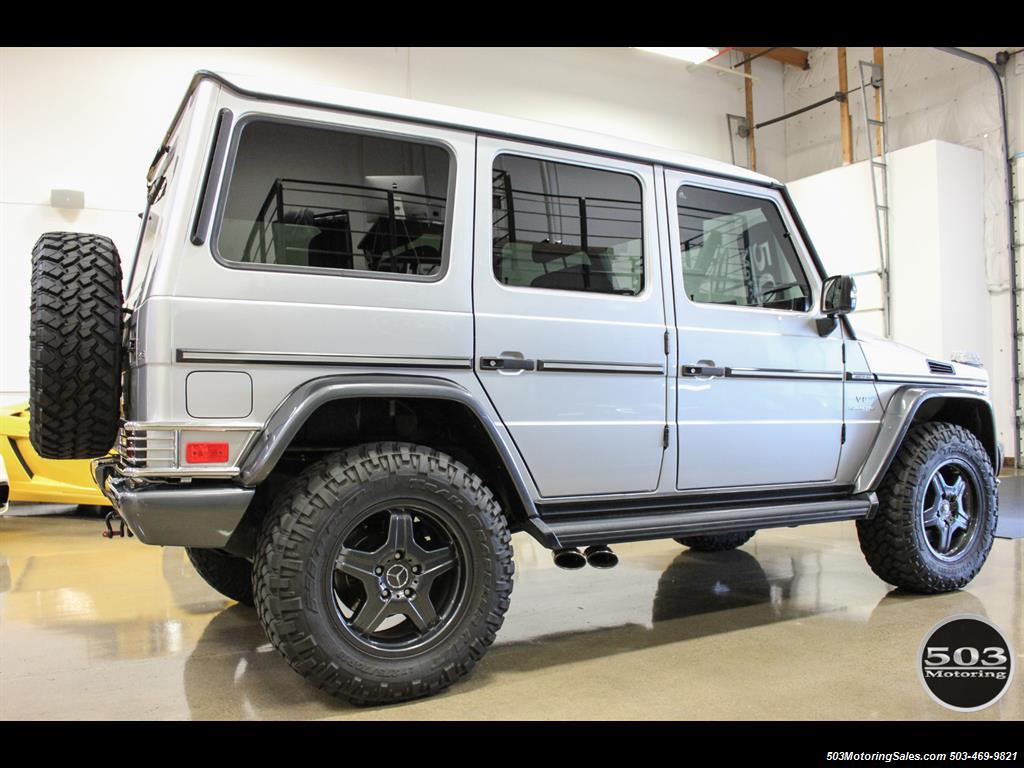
304, 197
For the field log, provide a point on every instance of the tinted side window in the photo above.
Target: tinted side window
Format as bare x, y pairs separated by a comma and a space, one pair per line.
305, 196
566, 227
736, 250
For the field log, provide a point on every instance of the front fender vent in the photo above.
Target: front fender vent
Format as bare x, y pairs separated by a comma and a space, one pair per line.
946, 369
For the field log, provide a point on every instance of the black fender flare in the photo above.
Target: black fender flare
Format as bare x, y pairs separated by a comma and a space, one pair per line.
261, 458
899, 415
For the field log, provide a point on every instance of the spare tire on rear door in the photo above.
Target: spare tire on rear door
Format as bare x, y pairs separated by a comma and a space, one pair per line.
75, 363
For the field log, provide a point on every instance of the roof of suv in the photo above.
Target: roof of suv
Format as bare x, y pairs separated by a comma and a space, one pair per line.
484, 122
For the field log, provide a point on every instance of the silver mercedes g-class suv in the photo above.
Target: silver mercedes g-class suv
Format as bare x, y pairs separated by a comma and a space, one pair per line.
363, 339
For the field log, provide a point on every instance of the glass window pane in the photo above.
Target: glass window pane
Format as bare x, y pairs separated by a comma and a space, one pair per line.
735, 250
306, 196
566, 227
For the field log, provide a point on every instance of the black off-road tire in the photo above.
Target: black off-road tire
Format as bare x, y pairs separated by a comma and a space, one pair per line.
893, 541
228, 574
310, 519
75, 367
720, 542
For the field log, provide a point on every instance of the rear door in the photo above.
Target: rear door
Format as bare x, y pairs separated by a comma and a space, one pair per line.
760, 393
570, 315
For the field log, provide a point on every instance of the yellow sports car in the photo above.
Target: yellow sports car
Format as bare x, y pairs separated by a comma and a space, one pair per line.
33, 478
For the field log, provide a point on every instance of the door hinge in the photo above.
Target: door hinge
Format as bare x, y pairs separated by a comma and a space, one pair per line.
666, 344
842, 435
664, 437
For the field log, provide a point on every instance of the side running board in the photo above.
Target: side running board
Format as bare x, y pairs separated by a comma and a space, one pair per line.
581, 529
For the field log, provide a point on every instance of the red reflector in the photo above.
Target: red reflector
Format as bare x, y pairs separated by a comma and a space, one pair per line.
206, 453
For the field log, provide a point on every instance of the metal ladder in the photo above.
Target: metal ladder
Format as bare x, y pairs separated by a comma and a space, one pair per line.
871, 76
1017, 187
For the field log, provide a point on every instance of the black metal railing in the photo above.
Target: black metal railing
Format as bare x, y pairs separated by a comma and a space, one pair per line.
558, 227
590, 221
320, 223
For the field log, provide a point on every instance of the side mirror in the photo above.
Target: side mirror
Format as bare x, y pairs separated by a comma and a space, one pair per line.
838, 297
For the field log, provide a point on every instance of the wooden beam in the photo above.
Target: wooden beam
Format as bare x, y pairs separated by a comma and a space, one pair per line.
845, 126
792, 56
880, 61
748, 86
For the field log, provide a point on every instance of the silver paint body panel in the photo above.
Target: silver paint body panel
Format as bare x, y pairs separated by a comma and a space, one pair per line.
778, 418
605, 415
590, 420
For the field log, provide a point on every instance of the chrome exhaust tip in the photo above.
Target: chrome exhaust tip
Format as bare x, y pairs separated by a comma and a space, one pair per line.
600, 556
569, 559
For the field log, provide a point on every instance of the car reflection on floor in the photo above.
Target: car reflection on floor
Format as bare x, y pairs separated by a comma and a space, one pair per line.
791, 625
733, 585
120, 599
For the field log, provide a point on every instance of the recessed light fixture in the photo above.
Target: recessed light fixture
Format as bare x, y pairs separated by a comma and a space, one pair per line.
692, 55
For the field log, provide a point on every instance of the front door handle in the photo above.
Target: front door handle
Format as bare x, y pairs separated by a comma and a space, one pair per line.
705, 368
507, 364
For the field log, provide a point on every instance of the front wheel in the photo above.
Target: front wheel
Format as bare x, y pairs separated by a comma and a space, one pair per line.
384, 572
937, 512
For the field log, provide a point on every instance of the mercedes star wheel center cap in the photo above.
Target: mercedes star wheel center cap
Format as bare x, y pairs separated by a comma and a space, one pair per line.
397, 576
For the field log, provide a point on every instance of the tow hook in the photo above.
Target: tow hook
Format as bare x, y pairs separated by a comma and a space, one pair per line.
110, 533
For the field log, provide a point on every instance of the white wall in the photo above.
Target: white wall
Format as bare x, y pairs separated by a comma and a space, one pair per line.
938, 268
90, 119
838, 208
929, 95
940, 300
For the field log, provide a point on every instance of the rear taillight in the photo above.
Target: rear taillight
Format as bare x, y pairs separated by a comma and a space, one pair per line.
206, 453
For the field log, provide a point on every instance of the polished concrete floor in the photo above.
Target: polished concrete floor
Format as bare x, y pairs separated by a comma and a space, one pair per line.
793, 625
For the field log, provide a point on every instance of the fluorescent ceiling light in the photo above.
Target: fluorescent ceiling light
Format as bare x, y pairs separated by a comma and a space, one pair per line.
692, 55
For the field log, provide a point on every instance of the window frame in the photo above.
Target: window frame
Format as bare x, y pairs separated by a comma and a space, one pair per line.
810, 271
581, 163
230, 164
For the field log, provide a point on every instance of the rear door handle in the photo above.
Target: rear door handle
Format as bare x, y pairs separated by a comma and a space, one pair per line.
706, 368
507, 364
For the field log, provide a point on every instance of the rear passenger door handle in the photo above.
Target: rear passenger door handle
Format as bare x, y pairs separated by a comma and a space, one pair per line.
507, 364
705, 368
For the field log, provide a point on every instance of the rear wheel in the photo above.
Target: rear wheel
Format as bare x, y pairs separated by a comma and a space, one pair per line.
75, 346
384, 572
719, 542
937, 511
